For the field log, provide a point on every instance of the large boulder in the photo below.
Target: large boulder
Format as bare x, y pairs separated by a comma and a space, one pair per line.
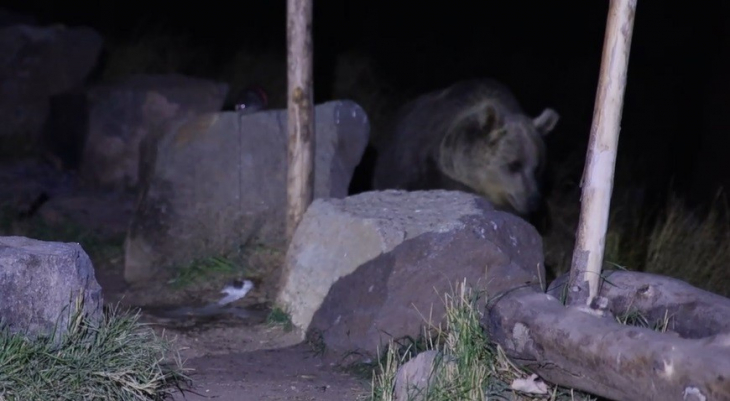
39, 62
124, 113
374, 265
39, 283
214, 183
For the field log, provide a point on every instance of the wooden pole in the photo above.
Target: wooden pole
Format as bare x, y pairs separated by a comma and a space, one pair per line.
597, 182
300, 111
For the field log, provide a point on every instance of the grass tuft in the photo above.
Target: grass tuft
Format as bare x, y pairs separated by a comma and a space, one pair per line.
279, 317
469, 366
198, 270
637, 319
383, 382
115, 359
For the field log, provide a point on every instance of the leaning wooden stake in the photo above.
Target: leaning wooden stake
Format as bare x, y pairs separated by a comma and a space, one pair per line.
597, 182
300, 111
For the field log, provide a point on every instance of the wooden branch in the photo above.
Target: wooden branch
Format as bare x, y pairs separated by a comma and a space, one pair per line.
597, 182
692, 312
567, 346
301, 144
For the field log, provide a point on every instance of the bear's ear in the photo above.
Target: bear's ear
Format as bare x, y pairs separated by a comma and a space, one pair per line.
491, 120
492, 125
495, 136
546, 121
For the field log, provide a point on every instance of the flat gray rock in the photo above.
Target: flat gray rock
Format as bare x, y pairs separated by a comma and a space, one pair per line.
216, 182
39, 281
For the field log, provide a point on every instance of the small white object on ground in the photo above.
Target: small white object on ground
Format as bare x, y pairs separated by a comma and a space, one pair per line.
530, 385
236, 291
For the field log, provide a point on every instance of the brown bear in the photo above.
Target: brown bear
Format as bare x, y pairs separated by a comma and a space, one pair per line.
472, 136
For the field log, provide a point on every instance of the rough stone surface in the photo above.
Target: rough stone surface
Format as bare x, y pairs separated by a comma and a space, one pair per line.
39, 281
415, 376
39, 62
123, 114
214, 183
379, 262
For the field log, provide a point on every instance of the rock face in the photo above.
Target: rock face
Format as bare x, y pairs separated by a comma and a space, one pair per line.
415, 378
39, 281
122, 114
39, 62
374, 265
214, 183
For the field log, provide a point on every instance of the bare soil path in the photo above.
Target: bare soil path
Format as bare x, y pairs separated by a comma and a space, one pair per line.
290, 373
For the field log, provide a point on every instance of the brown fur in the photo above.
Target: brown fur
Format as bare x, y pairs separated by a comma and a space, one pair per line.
472, 136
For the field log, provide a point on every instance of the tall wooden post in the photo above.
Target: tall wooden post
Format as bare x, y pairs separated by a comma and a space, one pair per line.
300, 111
597, 182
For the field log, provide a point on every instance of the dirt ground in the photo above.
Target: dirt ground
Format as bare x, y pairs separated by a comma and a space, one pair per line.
234, 358
289, 373
231, 357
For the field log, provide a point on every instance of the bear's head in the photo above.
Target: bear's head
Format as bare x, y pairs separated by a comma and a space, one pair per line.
499, 155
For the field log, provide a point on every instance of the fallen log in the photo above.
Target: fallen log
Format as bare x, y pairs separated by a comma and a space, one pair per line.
582, 349
691, 312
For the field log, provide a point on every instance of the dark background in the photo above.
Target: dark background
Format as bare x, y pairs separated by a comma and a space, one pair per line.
675, 128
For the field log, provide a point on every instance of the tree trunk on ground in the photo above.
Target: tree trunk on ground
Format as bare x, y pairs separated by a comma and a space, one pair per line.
691, 312
597, 182
582, 345
567, 346
301, 144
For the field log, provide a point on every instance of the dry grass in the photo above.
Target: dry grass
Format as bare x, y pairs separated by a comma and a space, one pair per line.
686, 244
691, 246
671, 239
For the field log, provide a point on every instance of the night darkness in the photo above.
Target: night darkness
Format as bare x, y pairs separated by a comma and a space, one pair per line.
674, 128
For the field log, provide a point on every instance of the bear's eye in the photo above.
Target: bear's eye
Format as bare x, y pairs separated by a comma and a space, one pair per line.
514, 166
